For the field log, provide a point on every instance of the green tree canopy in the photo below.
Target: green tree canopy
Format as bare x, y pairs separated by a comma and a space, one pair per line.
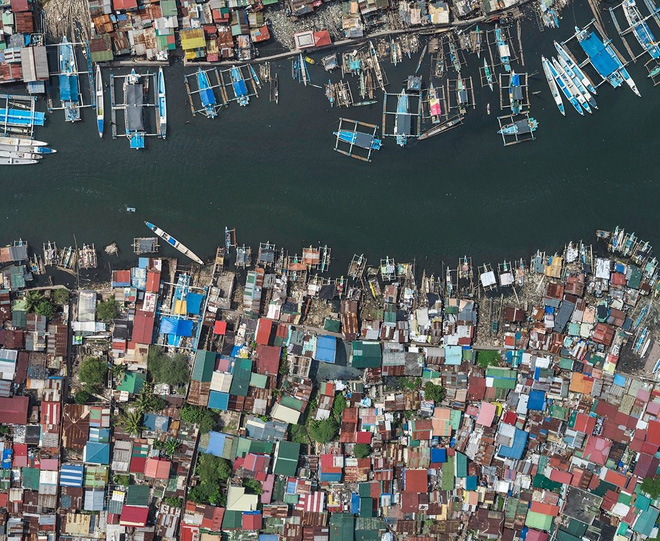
46, 308
92, 372
82, 397
323, 431
203, 417
361, 450
339, 406
165, 369
107, 310
61, 296
32, 300
434, 392
213, 473
651, 485
253, 486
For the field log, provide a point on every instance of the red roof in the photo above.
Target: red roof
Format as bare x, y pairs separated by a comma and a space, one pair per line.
263, 331
597, 450
364, 437
153, 281
124, 4
252, 521
189, 532
545, 509
220, 327
322, 38
653, 432
14, 411
132, 515
121, 276
137, 464
561, 477
416, 481
268, 359
584, 423
50, 413
157, 468
143, 327
20, 5
510, 417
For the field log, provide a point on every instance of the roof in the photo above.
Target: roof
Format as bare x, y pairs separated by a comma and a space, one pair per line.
326, 349
157, 468
597, 450
416, 481
14, 410
143, 327
366, 354
204, 365
134, 516
286, 462
268, 359
96, 453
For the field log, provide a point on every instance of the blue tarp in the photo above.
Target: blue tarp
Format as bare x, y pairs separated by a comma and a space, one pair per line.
599, 56
194, 303
215, 445
536, 400
326, 349
176, 326
69, 88
239, 88
71, 476
355, 503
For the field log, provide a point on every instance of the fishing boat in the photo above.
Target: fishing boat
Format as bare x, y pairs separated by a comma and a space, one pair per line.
604, 59
295, 69
359, 139
330, 93
461, 95
20, 141
563, 53
19, 148
453, 55
577, 82
421, 57
515, 93
654, 72
99, 100
488, 108
641, 30
364, 102
162, 105
239, 87
402, 119
133, 114
16, 161
503, 48
553, 85
68, 81
174, 243
488, 75
569, 84
562, 86
527, 125
206, 94
20, 155
477, 40
255, 77
435, 106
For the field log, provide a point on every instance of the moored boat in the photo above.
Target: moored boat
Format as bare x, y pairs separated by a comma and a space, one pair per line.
16, 161
602, 57
553, 85
515, 93
435, 130
503, 49
641, 30
21, 141
206, 94
435, 106
239, 86
488, 74
174, 243
99, 100
359, 139
571, 87
20, 155
402, 119
565, 90
162, 105
577, 82
68, 81
563, 53
527, 125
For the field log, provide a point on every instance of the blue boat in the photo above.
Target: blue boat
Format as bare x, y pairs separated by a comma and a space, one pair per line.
570, 73
571, 87
402, 121
553, 85
239, 87
503, 49
21, 117
206, 94
604, 59
515, 93
641, 30
519, 127
68, 81
359, 139
562, 86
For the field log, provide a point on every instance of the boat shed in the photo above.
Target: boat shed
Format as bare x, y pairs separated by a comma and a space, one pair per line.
34, 64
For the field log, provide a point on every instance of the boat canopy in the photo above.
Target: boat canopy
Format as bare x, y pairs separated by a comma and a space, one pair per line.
599, 55
239, 88
134, 104
205, 93
68, 87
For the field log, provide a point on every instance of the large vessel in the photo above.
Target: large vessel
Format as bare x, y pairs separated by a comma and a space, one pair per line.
402, 120
174, 243
562, 86
604, 59
488, 75
68, 80
553, 85
359, 139
503, 49
99, 100
133, 119
641, 30
527, 125
563, 53
206, 94
239, 86
162, 105
577, 82
582, 100
435, 107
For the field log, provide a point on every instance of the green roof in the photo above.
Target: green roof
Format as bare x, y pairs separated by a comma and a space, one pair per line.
645, 521
204, 365
461, 465
291, 402
132, 382
541, 481
287, 458
503, 378
232, 520
168, 8
331, 325
258, 380
241, 380
448, 474
30, 478
366, 354
364, 490
576, 527
538, 521
138, 495
366, 507
342, 527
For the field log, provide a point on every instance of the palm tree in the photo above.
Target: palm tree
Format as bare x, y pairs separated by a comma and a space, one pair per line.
131, 421
171, 445
119, 371
32, 300
147, 401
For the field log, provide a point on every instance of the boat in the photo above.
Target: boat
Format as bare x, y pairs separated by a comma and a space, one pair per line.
565, 90
553, 85
604, 59
20, 155
435, 130
488, 75
515, 93
527, 125
654, 72
206, 94
364, 102
421, 57
435, 107
68, 81
461, 95
363, 140
255, 77
503, 49
162, 105
21, 141
563, 53
174, 243
488, 108
453, 55
16, 161
99, 100
133, 118
310, 60
577, 82
239, 87
402, 119
330, 93
573, 89
641, 30
478, 42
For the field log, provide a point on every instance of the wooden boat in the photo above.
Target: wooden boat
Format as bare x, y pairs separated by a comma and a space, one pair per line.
21, 141
174, 243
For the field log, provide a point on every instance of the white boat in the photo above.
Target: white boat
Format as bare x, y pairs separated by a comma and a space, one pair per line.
553, 85
20, 155
19, 148
162, 105
578, 71
99, 100
16, 161
577, 81
21, 141
571, 87
174, 243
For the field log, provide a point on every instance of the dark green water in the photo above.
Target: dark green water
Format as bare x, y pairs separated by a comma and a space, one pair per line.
270, 172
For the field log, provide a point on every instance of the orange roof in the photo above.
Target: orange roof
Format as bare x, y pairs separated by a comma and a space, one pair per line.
616, 478
545, 509
581, 384
157, 468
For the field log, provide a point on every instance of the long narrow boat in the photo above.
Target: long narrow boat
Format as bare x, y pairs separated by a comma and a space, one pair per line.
577, 82
68, 81
162, 105
577, 69
99, 100
19, 148
435, 130
553, 85
402, 120
435, 107
20, 141
363, 140
174, 243
562, 86
206, 94
641, 30
240, 88
571, 87
488, 74
526, 125
503, 49
629, 81
16, 161
515, 93
20, 155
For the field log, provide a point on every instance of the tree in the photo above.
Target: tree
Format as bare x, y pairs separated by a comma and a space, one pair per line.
82, 397
92, 372
107, 310
46, 308
339, 406
213, 473
171, 445
253, 486
61, 296
165, 369
122, 480
147, 401
651, 485
131, 422
173, 501
361, 450
323, 431
32, 300
434, 392
203, 417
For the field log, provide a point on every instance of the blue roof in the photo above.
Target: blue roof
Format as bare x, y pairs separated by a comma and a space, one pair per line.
331, 477
355, 503
517, 446
176, 326
326, 349
453, 355
471, 482
194, 303
215, 445
6, 459
156, 422
71, 475
536, 400
218, 400
438, 455
97, 453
